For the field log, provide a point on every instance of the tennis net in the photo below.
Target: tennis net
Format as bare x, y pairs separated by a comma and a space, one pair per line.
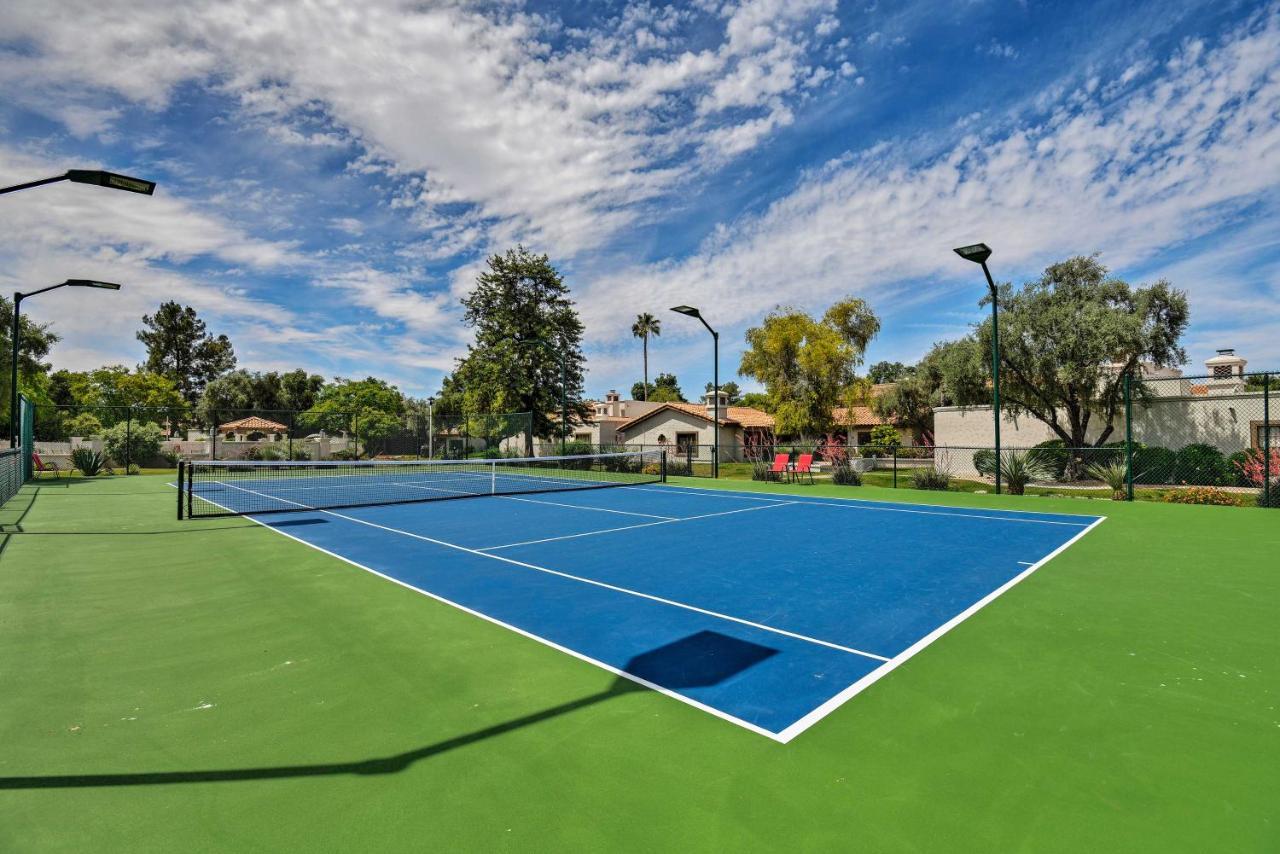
228, 488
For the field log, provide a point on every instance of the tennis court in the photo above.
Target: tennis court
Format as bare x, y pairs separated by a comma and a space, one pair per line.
767, 611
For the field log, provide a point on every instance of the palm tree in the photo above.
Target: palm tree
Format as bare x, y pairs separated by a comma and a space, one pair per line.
646, 324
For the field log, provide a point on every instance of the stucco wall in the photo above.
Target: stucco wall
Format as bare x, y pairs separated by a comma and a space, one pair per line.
669, 423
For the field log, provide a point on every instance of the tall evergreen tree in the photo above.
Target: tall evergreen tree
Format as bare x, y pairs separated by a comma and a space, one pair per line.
525, 324
181, 348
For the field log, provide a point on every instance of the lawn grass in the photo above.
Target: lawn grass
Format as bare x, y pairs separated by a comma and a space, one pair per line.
246, 693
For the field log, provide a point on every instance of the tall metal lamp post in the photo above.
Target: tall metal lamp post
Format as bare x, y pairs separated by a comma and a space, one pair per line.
978, 253
715, 382
16, 334
431, 429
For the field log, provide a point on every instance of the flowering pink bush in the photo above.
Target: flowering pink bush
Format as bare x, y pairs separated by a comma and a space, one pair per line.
1253, 467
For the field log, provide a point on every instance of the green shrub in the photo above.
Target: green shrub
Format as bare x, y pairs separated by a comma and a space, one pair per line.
984, 461
136, 443
1236, 463
846, 475
87, 460
300, 454
343, 454
1115, 476
1201, 465
1051, 456
268, 453
171, 458
931, 478
1017, 470
1153, 465
84, 425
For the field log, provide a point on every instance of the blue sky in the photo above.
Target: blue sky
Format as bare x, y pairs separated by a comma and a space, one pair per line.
332, 175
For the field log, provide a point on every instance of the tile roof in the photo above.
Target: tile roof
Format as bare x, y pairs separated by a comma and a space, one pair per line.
856, 416
732, 416
253, 422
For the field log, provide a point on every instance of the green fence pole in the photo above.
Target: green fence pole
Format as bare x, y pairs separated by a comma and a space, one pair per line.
1128, 434
895, 466
1266, 439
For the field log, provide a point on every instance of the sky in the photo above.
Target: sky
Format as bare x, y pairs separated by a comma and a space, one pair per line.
332, 175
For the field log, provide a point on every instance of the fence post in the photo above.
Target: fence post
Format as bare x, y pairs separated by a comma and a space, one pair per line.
1266, 439
213, 438
895, 466
290, 442
128, 438
1128, 434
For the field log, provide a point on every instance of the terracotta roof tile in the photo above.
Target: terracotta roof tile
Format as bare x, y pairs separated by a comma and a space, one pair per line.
253, 422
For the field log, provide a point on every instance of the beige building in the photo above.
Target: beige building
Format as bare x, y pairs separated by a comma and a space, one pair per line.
689, 428
1215, 409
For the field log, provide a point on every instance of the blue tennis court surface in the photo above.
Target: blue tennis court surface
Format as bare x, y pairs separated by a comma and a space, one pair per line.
765, 609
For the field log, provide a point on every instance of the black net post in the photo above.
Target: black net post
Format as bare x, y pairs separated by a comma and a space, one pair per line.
1128, 434
128, 437
182, 470
662, 466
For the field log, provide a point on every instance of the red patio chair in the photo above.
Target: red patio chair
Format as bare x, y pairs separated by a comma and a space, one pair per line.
804, 465
781, 466
43, 467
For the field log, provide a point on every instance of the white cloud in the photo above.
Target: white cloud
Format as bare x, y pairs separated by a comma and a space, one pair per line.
561, 148
1177, 158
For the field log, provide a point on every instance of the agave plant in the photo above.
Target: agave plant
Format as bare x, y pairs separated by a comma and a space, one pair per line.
1018, 470
87, 460
1115, 476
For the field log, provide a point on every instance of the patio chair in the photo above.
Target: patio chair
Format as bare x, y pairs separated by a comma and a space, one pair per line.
42, 467
781, 465
804, 465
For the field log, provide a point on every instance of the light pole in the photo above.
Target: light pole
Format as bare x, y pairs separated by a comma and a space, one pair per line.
715, 382
431, 428
15, 334
978, 253
91, 176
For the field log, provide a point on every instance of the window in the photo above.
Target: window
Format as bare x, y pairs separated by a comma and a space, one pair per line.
1222, 372
864, 437
1260, 434
582, 437
687, 442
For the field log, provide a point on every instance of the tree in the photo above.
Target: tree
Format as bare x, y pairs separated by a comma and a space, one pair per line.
527, 333
34, 343
646, 324
807, 365
665, 388
180, 348
888, 372
371, 408
132, 444
1067, 340
268, 394
113, 389
756, 400
730, 390
952, 371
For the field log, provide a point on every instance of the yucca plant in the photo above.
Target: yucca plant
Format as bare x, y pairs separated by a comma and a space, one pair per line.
1018, 470
87, 460
1115, 476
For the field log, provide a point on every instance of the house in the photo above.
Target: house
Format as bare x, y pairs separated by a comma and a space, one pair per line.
689, 428
856, 422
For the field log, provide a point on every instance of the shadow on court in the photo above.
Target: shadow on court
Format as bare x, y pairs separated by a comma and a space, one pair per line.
700, 660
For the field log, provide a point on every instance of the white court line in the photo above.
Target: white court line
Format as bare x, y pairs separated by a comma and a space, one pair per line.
898, 660
1026, 563
863, 504
582, 579
632, 527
